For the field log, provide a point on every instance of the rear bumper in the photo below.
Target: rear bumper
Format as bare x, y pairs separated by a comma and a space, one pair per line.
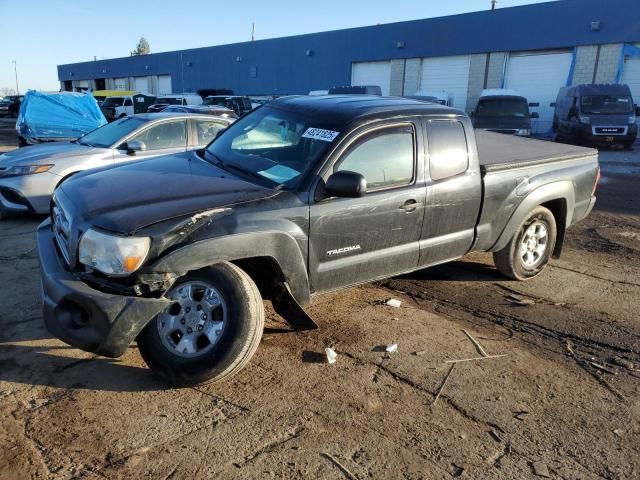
82, 316
583, 209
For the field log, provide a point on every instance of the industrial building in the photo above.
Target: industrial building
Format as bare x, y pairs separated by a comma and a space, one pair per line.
534, 49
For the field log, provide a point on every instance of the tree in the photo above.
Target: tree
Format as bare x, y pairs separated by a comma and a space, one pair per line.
7, 91
142, 48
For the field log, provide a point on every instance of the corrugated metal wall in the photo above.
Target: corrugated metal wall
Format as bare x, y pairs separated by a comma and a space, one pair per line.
317, 61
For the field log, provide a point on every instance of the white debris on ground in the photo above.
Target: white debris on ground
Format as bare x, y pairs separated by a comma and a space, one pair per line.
392, 302
331, 355
392, 348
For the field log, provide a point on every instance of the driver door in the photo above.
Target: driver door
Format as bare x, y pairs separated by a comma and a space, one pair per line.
354, 240
165, 138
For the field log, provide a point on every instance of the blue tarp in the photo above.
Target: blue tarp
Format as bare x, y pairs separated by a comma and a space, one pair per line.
57, 116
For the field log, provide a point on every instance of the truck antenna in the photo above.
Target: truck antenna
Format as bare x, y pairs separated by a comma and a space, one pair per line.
493, 4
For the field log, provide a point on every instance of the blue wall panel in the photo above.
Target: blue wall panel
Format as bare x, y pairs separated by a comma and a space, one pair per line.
283, 67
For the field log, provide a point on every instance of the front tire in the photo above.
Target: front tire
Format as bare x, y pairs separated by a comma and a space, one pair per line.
530, 248
210, 332
628, 146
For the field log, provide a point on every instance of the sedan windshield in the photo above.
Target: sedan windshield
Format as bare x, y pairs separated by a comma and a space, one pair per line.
606, 104
112, 133
274, 146
503, 107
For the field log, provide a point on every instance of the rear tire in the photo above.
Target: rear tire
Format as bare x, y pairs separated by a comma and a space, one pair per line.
530, 248
628, 146
238, 327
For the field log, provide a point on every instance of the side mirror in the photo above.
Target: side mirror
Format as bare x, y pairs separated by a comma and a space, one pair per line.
471, 114
346, 184
637, 110
134, 146
573, 112
535, 115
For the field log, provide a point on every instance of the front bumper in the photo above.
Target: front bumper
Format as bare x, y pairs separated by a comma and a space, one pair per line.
28, 193
82, 316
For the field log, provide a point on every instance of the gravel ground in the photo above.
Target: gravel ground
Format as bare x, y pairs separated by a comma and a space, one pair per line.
563, 402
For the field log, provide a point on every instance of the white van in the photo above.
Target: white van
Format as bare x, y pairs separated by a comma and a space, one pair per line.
176, 99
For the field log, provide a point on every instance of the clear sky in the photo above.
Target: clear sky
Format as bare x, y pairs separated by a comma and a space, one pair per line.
41, 34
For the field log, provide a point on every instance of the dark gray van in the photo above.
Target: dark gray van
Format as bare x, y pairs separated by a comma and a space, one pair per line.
503, 111
596, 115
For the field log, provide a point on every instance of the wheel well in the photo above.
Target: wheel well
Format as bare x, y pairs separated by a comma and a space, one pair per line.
265, 272
558, 208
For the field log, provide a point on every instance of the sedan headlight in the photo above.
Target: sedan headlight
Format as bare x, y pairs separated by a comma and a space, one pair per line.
113, 255
584, 119
25, 170
524, 132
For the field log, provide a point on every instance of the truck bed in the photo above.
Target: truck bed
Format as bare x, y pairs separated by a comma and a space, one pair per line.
498, 151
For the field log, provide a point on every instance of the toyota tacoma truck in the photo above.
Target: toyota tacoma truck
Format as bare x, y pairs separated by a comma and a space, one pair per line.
302, 196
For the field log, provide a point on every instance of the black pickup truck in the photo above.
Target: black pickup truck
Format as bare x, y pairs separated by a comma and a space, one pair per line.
299, 197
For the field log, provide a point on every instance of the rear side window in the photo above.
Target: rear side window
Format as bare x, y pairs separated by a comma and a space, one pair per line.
448, 152
384, 157
206, 130
128, 102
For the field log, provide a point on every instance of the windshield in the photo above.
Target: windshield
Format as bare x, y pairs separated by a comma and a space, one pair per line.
275, 146
218, 101
113, 102
606, 104
170, 101
503, 107
112, 133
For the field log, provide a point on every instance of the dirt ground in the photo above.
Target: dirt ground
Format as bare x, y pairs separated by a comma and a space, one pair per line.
562, 403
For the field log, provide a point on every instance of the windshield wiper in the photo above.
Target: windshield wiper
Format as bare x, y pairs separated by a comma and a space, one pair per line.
217, 161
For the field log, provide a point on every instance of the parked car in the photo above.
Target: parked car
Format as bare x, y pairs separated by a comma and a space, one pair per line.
102, 95
56, 117
175, 99
596, 115
237, 103
121, 106
503, 111
216, 110
10, 105
29, 175
356, 90
302, 196
441, 97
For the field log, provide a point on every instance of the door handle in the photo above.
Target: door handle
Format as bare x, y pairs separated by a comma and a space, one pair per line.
409, 205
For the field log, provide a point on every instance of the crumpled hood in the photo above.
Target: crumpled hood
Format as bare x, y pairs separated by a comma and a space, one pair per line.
127, 198
44, 153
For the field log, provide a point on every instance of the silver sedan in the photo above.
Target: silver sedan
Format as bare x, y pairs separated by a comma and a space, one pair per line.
28, 176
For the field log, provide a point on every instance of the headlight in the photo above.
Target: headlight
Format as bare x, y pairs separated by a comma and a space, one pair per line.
632, 119
524, 132
25, 170
111, 254
584, 119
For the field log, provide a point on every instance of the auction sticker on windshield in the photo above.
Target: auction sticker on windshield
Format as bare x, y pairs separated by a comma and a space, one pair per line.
320, 134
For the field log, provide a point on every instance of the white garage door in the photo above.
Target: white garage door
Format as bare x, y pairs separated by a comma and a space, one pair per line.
121, 83
82, 85
372, 73
450, 74
140, 84
538, 77
631, 76
164, 85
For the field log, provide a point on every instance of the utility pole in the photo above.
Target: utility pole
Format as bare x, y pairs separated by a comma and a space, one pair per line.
15, 69
493, 4
253, 31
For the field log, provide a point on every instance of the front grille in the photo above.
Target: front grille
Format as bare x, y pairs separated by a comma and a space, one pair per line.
503, 130
61, 231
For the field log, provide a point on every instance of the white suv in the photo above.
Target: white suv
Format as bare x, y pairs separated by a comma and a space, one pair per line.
175, 99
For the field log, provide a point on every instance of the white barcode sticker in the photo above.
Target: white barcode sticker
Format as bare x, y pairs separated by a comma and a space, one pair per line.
320, 134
